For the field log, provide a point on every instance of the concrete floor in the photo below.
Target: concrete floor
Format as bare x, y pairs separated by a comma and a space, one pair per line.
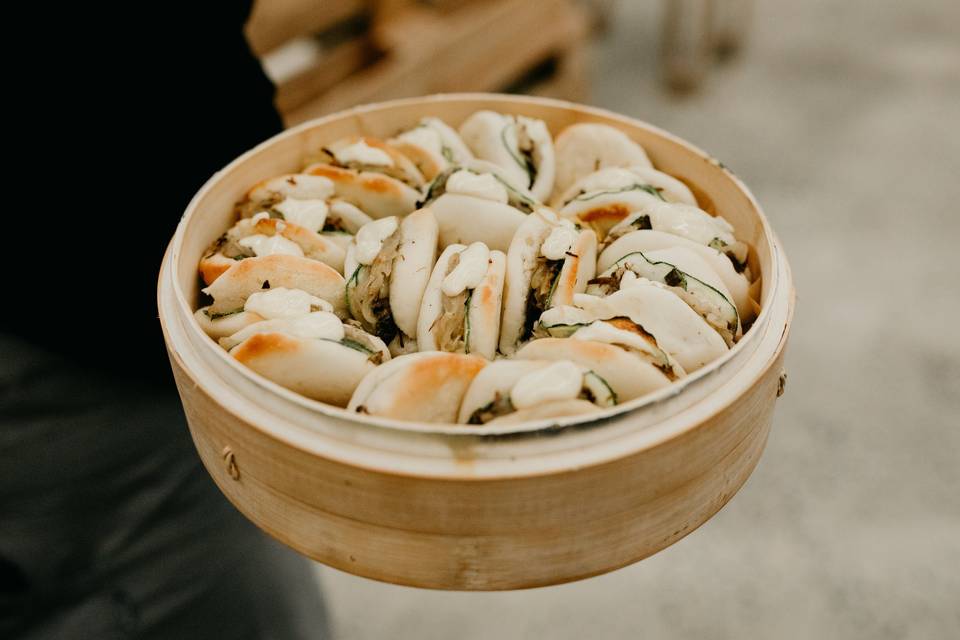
844, 118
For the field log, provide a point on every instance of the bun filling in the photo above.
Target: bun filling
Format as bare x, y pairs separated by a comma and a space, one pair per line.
368, 291
451, 328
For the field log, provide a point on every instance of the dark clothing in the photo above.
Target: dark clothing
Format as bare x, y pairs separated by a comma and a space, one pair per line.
136, 113
109, 526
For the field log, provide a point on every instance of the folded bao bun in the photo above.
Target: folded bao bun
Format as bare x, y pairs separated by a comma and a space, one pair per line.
629, 375
432, 146
573, 322
231, 290
504, 188
602, 210
612, 178
461, 305
647, 241
584, 148
308, 201
521, 146
685, 274
325, 364
478, 202
677, 329
548, 262
385, 287
422, 387
267, 304
221, 326
517, 390
299, 186
465, 220
234, 245
376, 194
370, 154
685, 221
518, 193
609, 200
606, 197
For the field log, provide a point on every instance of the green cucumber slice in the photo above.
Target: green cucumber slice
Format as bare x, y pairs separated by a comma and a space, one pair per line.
719, 312
222, 314
590, 195
466, 322
352, 283
356, 346
553, 288
600, 392
521, 160
563, 330
439, 186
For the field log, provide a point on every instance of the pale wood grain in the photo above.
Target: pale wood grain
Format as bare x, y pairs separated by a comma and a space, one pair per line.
275, 22
480, 46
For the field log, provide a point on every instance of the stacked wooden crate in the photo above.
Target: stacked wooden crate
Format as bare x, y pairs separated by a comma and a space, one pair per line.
357, 51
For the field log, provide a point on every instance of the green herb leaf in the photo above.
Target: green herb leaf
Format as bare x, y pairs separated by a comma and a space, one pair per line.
356, 346
466, 322
583, 197
523, 161
222, 314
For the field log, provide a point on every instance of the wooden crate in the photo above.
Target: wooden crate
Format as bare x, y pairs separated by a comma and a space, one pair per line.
380, 49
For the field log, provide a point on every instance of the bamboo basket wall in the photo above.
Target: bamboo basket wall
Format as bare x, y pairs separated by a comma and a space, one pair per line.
475, 508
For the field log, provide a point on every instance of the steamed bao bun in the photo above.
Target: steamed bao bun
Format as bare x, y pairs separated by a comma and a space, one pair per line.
308, 201
259, 306
586, 147
665, 186
263, 235
685, 221
684, 273
627, 373
370, 174
243, 278
461, 305
295, 340
549, 261
433, 146
512, 391
520, 145
675, 327
648, 241
616, 328
605, 197
388, 264
477, 201
297, 186
421, 387
364, 153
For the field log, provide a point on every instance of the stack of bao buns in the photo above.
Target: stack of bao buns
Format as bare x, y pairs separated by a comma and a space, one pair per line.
488, 275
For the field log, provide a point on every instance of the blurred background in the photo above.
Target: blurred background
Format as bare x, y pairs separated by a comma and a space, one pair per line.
844, 119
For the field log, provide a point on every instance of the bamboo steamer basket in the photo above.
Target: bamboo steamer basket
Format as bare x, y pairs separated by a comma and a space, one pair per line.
476, 508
